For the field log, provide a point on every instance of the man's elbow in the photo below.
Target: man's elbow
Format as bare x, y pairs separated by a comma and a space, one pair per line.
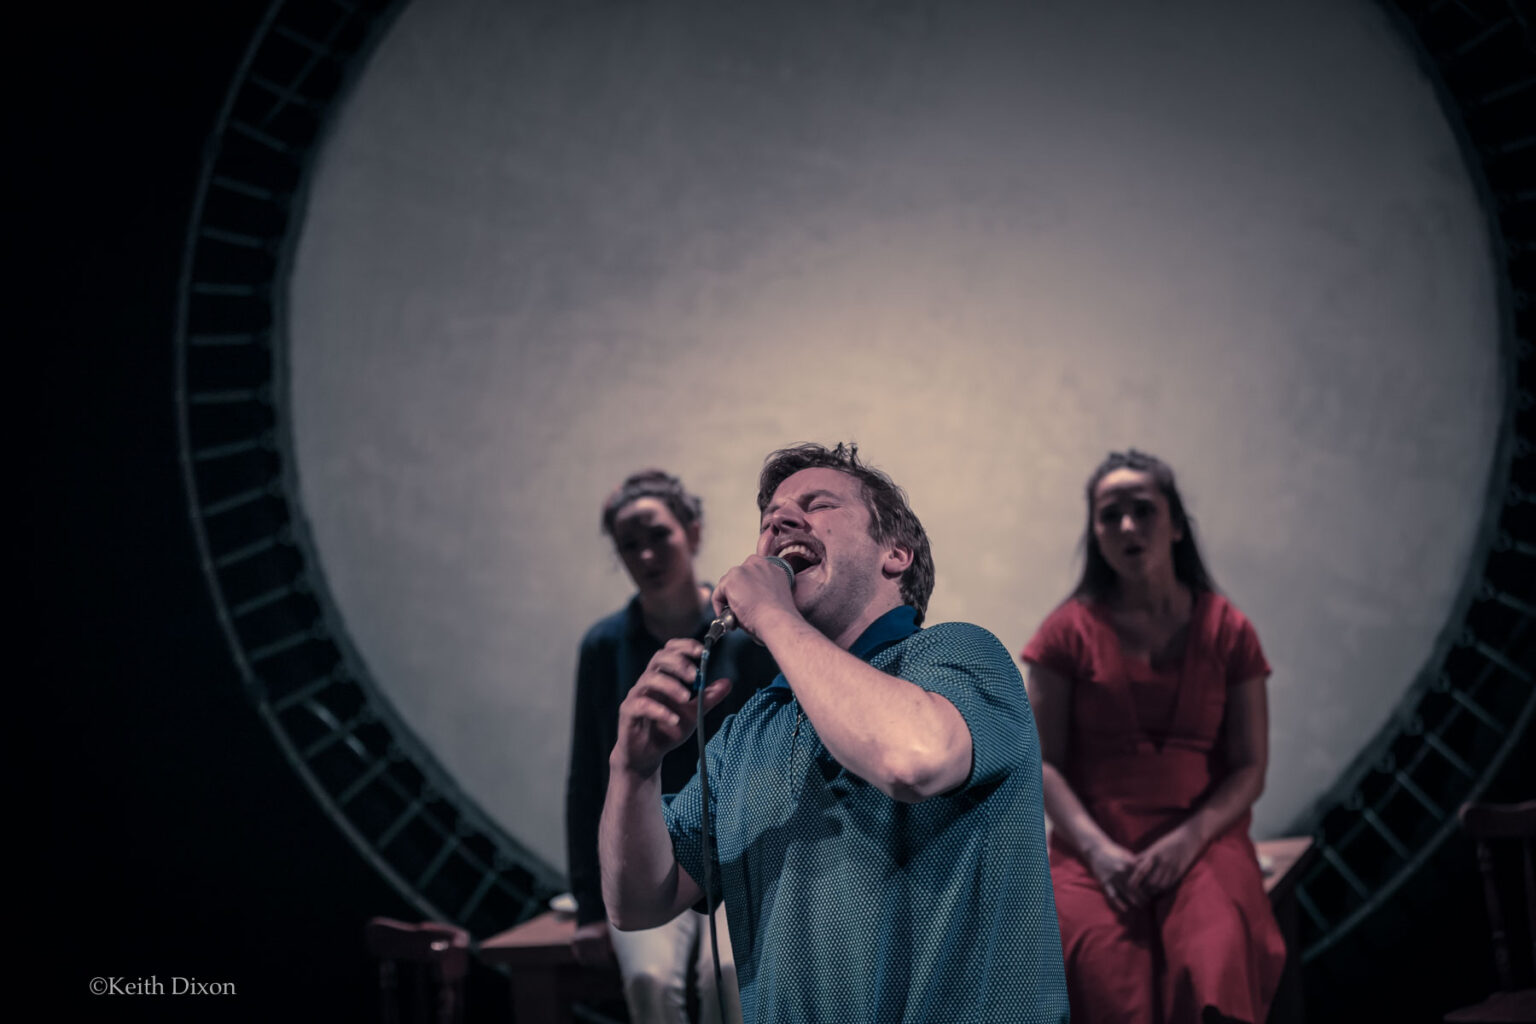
624, 922
637, 919
917, 774
933, 759
632, 908
625, 914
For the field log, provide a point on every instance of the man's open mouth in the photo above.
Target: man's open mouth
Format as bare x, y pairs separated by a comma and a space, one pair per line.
800, 556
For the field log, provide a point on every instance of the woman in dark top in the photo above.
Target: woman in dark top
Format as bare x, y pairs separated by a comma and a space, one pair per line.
656, 527
1148, 689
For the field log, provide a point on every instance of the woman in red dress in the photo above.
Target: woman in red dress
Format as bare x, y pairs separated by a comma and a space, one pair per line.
1148, 690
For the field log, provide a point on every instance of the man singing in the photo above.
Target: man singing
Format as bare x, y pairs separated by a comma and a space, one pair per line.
878, 820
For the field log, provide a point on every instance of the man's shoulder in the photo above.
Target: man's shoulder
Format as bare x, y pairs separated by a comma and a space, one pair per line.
964, 646
963, 638
762, 704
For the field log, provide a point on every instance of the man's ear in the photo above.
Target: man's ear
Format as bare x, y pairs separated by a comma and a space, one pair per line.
695, 532
898, 559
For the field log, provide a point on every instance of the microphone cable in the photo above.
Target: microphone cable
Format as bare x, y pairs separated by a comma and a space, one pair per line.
707, 829
717, 629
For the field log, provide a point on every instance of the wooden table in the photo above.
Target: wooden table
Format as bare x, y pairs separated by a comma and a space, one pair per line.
546, 979
1282, 861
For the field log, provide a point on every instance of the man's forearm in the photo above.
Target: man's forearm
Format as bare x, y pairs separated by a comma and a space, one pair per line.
642, 884
905, 741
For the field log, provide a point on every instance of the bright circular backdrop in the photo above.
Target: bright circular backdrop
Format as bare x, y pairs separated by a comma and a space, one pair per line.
547, 244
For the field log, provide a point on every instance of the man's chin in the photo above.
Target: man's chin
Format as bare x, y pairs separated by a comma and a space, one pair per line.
807, 607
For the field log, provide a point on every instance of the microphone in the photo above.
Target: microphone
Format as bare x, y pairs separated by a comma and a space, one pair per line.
727, 620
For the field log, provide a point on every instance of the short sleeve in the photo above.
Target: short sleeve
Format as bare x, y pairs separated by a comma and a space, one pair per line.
970, 668
1245, 657
1058, 645
683, 814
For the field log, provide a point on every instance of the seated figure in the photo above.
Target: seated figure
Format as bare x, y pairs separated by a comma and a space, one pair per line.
1148, 688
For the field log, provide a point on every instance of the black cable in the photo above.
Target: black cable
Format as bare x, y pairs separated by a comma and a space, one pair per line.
708, 833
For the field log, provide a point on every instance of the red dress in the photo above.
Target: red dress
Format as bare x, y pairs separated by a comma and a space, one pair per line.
1144, 748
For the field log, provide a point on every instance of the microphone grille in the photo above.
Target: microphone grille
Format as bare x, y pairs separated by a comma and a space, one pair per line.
788, 569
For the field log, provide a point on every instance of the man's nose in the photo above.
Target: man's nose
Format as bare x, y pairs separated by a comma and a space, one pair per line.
787, 515
1127, 523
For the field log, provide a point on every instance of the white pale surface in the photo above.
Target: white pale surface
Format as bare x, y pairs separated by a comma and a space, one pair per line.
548, 244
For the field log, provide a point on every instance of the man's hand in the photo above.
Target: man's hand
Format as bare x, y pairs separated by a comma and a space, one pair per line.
591, 945
753, 588
659, 712
1160, 866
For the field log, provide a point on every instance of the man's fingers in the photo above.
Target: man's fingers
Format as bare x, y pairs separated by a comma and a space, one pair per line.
679, 657
686, 646
677, 664
664, 688
656, 713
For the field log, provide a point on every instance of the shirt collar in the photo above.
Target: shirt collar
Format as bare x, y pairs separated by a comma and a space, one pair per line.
889, 629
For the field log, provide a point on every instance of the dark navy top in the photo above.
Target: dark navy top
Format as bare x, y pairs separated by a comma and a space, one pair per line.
849, 906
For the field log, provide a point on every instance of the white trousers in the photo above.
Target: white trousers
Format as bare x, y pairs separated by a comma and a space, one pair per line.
654, 964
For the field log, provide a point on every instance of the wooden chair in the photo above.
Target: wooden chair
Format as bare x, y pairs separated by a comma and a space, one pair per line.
439, 949
1282, 862
1514, 824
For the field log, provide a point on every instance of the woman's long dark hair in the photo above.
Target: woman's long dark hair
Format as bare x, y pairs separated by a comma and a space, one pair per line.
1099, 580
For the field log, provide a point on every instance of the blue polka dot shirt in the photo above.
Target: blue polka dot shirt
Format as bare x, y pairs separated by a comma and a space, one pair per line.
848, 906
